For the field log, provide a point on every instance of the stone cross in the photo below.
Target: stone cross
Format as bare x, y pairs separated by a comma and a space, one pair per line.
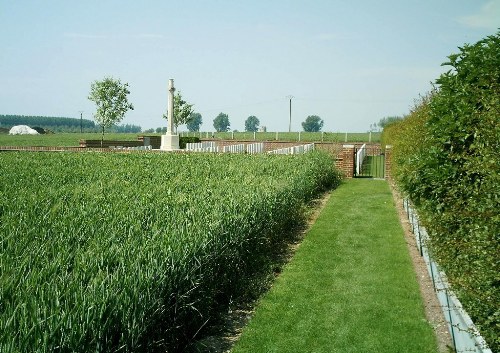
170, 141
170, 114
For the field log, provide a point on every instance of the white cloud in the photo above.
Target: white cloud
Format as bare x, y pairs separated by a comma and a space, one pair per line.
487, 17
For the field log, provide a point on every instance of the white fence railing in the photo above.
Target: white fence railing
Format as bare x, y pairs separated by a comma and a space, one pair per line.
465, 336
360, 156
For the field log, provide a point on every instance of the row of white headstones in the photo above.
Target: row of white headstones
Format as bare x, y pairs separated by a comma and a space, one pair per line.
247, 148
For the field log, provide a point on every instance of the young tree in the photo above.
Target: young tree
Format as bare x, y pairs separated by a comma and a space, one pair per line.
252, 124
182, 110
221, 123
110, 97
194, 122
313, 123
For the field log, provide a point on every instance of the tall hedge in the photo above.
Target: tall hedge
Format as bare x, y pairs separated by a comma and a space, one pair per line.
447, 159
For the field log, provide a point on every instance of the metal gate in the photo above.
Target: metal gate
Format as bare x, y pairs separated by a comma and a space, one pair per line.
369, 162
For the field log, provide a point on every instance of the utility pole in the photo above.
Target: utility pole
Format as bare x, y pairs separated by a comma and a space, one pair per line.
81, 121
290, 122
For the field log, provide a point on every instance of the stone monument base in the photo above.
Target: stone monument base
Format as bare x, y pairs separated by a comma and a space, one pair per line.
169, 142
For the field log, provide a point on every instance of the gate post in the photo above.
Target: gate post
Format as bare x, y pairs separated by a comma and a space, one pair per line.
388, 155
348, 160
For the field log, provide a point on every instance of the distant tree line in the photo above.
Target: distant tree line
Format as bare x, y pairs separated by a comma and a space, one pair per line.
62, 124
45, 121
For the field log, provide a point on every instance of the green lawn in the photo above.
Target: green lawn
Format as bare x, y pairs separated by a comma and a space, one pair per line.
350, 286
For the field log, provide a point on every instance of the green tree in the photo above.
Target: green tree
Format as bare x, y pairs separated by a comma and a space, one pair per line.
194, 122
252, 123
110, 97
221, 123
313, 123
182, 110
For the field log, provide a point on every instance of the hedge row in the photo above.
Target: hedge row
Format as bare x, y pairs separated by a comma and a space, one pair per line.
446, 156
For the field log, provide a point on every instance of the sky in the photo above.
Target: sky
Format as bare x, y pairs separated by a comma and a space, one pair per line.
350, 62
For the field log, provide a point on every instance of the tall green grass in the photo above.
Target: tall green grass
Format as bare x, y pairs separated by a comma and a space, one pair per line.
139, 252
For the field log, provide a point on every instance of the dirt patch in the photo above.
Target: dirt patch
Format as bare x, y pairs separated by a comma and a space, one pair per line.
433, 311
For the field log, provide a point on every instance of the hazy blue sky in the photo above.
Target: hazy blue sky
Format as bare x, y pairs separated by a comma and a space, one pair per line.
352, 62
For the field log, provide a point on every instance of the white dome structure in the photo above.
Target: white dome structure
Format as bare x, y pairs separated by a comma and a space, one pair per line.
22, 130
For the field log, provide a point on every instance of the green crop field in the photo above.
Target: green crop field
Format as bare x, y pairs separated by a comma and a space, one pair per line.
139, 252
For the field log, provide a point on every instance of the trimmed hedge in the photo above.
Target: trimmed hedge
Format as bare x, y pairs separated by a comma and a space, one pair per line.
446, 157
183, 140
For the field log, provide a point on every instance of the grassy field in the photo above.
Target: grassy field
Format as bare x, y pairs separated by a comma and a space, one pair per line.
104, 252
350, 286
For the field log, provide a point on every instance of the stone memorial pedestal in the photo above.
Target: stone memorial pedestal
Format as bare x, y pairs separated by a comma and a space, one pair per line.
169, 142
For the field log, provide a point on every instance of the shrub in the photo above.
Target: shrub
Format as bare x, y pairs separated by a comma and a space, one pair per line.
183, 140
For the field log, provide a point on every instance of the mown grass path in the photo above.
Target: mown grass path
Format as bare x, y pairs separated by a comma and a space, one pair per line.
350, 286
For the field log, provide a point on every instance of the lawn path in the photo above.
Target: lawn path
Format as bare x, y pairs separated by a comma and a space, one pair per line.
350, 286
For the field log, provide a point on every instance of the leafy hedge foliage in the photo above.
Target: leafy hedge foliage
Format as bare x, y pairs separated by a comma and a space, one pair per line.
447, 159
183, 140
140, 252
